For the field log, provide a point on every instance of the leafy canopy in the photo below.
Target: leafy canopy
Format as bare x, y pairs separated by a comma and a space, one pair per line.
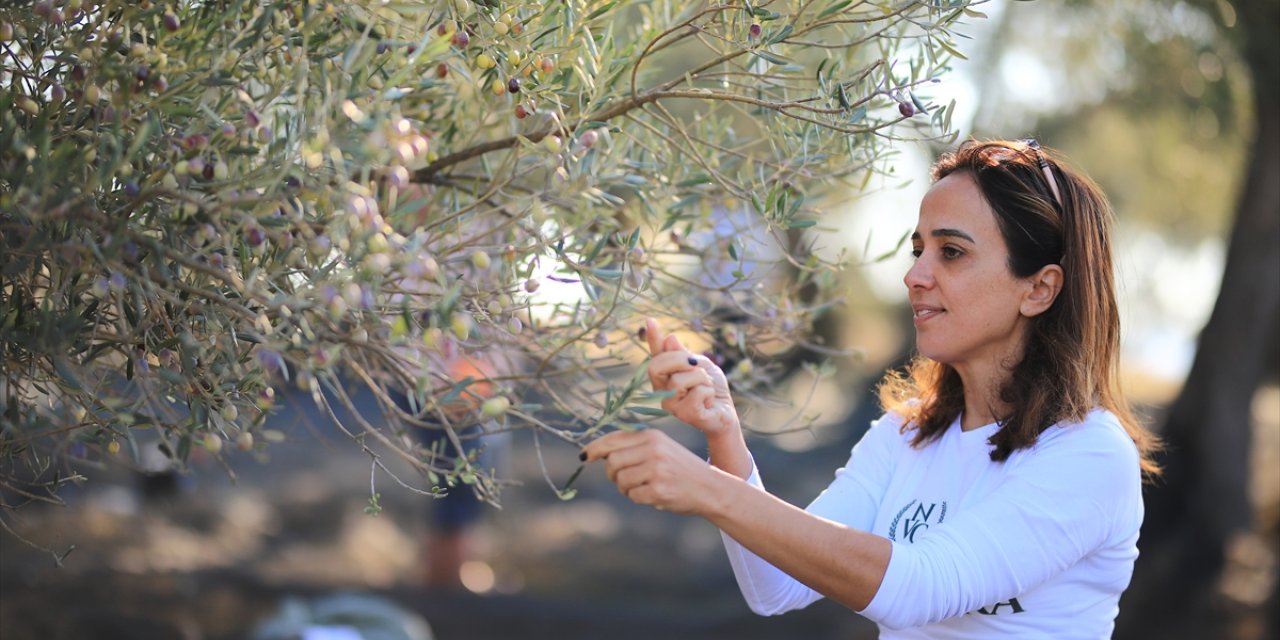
202, 202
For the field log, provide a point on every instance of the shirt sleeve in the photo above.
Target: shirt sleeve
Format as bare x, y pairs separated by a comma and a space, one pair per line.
851, 499
1061, 500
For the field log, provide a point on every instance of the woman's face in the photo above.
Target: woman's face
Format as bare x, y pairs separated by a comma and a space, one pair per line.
967, 303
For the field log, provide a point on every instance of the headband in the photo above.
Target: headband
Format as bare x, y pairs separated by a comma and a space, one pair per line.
1044, 166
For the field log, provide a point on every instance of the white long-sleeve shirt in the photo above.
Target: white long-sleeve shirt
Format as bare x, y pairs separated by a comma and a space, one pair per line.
1038, 546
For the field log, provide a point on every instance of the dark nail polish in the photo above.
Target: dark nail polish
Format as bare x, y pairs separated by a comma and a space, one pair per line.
582, 455
693, 361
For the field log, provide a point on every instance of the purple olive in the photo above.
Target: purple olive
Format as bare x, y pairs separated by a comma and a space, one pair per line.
270, 361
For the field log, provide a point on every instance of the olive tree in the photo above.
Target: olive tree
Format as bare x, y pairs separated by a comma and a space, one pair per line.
203, 201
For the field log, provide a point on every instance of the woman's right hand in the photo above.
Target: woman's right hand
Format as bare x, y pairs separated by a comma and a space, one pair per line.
701, 391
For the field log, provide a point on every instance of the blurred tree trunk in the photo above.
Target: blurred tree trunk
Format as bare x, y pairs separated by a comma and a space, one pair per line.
1203, 501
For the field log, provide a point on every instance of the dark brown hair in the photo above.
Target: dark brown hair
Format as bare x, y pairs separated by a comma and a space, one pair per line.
1071, 356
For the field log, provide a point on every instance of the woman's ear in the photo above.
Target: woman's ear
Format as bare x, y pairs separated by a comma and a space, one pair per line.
1045, 285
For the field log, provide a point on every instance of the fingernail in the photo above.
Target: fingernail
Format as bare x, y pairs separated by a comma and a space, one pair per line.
582, 455
693, 361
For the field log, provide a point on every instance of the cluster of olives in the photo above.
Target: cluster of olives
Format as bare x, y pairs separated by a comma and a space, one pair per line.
502, 48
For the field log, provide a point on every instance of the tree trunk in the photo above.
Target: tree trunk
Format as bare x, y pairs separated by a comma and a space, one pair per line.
1203, 500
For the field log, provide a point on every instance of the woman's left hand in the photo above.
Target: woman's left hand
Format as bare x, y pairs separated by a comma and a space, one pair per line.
651, 468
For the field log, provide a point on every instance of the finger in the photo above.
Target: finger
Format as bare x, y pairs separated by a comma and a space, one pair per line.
669, 362
642, 494
627, 480
703, 400
622, 459
653, 334
695, 408
607, 444
707, 365
672, 343
682, 381
662, 366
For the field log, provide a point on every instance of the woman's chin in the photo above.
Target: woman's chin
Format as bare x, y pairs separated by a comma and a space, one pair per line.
931, 352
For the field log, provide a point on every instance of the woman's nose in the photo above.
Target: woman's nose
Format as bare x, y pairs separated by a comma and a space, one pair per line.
918, 276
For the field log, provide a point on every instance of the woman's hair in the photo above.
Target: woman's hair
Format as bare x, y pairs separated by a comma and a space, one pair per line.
1071, 354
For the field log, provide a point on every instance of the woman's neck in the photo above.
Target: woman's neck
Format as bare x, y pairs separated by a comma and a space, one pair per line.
982, 403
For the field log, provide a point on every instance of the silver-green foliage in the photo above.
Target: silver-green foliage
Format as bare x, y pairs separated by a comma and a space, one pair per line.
201, 201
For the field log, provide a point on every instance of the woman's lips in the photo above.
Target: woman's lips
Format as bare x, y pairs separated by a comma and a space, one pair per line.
923, 313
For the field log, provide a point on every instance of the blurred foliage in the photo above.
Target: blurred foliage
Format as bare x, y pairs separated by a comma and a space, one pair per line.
1151, 96
203, 201
1189, 177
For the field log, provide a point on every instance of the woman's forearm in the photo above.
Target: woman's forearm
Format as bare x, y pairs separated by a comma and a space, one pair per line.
728, 452
843, 564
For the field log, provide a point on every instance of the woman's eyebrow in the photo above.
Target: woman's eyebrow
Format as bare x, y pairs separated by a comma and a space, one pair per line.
952, 233
946, 233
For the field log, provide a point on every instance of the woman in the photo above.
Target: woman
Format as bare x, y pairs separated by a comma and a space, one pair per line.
1000, 494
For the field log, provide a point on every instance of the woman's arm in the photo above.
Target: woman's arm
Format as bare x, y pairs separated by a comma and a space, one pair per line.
842, 563
649, 467
852, 499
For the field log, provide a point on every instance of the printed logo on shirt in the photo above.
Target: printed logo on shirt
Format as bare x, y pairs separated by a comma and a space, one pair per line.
917, 521
994, 610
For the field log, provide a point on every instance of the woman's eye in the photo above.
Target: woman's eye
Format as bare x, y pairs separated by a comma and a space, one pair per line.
916, 251
951, 252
